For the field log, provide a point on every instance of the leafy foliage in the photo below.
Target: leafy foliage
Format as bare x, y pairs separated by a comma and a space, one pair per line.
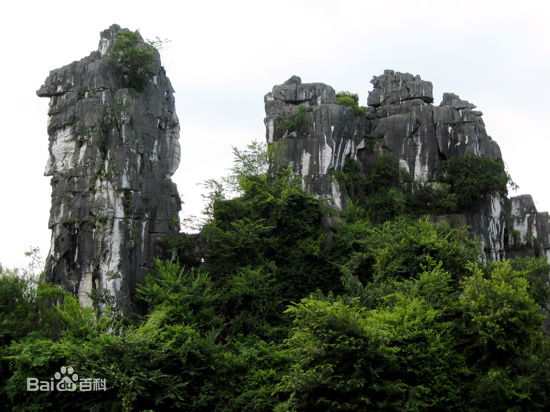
274, 226
114, 114
182, 296
134, 57
471, 177
381, 192
351, 100
296, 123
401, 248
397, 357
386, 191
351, 179
271, 309
502, 317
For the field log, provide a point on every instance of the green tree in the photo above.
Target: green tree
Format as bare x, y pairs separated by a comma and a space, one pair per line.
399, 249
273, 223
134, 57
183, 296
502, 340
350, 100
501, 317
403, 355
471, 177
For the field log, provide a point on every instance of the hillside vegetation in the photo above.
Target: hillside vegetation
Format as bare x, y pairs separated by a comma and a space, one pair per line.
274, 309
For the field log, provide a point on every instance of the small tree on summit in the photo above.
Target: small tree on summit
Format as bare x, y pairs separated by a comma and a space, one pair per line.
133, 57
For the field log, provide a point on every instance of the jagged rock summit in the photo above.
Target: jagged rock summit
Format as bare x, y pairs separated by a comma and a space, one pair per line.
113, 147
401, 120
330, 132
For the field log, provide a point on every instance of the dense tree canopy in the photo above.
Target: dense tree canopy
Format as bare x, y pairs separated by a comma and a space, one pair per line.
271, 308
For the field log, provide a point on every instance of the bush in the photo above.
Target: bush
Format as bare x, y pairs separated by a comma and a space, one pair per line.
15, 307
385, 193
471, 177
502, 318
429, 198
296, 123
398, 249
350, 100
351, 179
380, 191
133, 57
400, 356
185, 296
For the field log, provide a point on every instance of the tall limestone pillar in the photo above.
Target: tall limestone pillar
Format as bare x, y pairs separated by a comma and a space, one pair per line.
113, 147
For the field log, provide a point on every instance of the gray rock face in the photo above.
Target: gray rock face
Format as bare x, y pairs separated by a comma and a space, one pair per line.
401, 120
527, 230
112, 151
330, 132
422, 134
392, 88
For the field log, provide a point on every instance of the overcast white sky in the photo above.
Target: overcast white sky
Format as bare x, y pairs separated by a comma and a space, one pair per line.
225, 55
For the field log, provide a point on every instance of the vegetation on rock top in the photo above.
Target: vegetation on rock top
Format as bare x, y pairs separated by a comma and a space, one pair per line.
351, 100
134, 57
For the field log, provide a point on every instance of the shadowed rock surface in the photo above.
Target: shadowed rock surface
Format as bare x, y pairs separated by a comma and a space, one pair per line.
112, 152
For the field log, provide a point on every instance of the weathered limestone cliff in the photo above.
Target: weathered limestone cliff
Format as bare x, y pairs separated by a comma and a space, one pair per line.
400, 120
113, 147
330, 132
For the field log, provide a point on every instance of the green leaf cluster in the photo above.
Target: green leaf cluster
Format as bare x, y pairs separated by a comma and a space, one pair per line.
350, 100
471, 177
385, 191
296, 123
270, 308
428, 344
134, 57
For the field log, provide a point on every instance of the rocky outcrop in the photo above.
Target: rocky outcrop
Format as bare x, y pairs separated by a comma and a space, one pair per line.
400, 120
325, 133
526, 229
396, 88
112, 150
407, 125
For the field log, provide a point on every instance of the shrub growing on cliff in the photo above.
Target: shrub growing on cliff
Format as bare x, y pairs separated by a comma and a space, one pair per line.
379, 191
133, 57
351, 179
350, 100
400, 248
296, 123
471, 177
460, 185
113, 115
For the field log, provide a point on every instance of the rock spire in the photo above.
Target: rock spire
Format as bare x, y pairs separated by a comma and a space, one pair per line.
113, 147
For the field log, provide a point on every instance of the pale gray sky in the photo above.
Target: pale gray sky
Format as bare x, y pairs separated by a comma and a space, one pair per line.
225, 55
